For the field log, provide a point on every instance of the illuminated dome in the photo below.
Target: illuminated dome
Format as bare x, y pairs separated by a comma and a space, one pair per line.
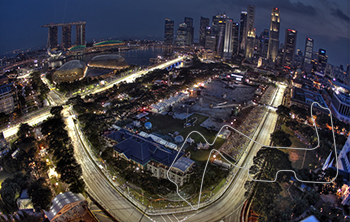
69, 72
108, 61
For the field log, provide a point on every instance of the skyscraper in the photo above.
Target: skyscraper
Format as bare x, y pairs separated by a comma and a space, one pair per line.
181, 35
235, 31
289, 48
204, 23
80, 34
218, 29
168, 31
242, 30
66, 36
52, 39
274, 35
309, 45
190, 31
264, 41
250, 33
322, 60
228, 46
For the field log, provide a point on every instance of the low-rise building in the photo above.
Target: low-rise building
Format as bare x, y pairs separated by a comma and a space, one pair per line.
152, 156
7, 100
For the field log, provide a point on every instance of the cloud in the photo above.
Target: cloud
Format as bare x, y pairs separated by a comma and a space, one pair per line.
339, 14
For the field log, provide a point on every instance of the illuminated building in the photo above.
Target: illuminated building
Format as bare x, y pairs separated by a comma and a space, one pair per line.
242, 30
204, 23
181, 35
80, 34
52, 38
322, 60
289, 48
7, 101
169, 31
66, 36
66, 41
340, 106
70, 71
235, 31
218, 29
264, 41
210, 42
309, 45
190, 31
250, 36
274, 35
231, 38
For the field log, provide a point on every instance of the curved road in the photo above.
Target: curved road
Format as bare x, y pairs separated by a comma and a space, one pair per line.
227, 208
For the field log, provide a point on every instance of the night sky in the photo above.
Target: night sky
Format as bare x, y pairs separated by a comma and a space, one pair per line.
327, 21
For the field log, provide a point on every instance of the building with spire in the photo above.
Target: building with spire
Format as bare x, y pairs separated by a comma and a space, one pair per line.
250, 33
272, 51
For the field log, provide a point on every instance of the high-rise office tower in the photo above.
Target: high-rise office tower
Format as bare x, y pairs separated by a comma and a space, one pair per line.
242, 30
190, 30
228, 46
210, 42
289, 48
66, 36
204, 23
80, 34
218, 29
309, 46
250, 34
52, 43
322, 60
169, 31
235, 41
274, 35
264, 42
181, 35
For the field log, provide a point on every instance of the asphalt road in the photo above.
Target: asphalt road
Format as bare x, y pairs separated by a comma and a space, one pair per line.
228, 208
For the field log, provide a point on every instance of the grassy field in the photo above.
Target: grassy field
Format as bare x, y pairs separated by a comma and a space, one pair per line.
296, 156
165, 124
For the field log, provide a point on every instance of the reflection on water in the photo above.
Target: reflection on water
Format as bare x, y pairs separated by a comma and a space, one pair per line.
139, 57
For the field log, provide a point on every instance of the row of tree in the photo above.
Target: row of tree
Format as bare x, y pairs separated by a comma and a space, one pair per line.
268, 200
61, 149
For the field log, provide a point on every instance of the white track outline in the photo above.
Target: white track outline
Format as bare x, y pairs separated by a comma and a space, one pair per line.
244, 167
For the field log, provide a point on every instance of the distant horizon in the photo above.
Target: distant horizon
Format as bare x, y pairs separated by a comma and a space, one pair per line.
325, 21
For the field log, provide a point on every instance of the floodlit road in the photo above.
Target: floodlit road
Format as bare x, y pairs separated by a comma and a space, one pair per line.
8, 132
227, 208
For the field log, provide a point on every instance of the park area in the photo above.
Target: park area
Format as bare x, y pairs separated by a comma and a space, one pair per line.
177, 125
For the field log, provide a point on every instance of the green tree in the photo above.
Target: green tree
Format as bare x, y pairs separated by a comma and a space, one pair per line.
56, 111
281, 138
24, 130
40, 193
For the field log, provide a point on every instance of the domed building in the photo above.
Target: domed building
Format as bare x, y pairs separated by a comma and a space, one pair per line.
69, 72
108, 61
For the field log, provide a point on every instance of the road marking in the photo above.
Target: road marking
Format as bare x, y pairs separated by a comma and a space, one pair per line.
169, 218
245, 167
163, 218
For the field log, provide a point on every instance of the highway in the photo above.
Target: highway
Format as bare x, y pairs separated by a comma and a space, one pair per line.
56, 99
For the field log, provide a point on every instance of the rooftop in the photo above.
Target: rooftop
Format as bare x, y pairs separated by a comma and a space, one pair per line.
62, 200
142, 150
74, 64
183, 164
5, 88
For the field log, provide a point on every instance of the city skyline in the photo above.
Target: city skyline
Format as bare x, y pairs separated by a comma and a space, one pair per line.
326, 22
